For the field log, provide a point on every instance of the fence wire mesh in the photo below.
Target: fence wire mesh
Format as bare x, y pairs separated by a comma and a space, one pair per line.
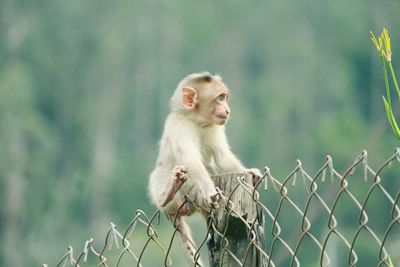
325, 219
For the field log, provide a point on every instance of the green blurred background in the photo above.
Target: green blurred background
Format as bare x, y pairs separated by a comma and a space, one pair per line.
84, 89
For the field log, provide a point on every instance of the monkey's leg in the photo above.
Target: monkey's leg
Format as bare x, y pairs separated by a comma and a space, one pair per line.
175, 183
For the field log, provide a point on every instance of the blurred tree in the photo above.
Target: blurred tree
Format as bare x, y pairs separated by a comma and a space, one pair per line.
84, 89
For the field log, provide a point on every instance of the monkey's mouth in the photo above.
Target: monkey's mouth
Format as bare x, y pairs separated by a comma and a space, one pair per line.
222, 117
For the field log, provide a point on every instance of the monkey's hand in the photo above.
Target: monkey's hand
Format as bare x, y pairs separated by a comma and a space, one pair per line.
257, 176
208, 196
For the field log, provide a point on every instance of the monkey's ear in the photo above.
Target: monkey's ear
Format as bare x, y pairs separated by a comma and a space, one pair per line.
189, 97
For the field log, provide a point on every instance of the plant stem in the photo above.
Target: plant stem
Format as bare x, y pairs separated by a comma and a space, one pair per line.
394, 79
386, 81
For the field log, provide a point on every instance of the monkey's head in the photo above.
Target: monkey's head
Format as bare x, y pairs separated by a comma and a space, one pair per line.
203, 98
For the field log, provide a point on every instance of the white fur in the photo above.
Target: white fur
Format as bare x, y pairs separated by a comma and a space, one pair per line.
203, 150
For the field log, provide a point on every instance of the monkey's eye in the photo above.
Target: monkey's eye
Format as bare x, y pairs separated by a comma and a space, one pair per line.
221, 97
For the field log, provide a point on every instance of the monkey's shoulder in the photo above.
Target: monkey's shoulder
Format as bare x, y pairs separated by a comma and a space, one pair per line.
180, 126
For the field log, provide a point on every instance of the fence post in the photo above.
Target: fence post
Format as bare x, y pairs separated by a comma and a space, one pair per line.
238, 225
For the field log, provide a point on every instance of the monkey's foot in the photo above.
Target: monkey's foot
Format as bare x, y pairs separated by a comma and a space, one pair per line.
180, 210
257, 176
186, 210
177, 180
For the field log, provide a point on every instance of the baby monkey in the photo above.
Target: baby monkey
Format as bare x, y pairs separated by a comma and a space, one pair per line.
193, 148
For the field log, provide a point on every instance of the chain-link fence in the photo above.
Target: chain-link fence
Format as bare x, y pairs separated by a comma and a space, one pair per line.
326, 219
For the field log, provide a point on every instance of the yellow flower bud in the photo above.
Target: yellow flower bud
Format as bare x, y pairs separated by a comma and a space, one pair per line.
377, 43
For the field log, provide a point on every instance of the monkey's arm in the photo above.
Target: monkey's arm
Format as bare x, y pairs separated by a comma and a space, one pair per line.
199, 186
227, 162
224, 158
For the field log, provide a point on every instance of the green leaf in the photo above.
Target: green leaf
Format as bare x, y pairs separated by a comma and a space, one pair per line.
390, 262
391, 118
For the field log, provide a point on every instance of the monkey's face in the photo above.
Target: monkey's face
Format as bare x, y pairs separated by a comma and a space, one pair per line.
221, 109
213, 104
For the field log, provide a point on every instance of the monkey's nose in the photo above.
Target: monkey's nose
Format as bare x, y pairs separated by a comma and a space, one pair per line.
227, 112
